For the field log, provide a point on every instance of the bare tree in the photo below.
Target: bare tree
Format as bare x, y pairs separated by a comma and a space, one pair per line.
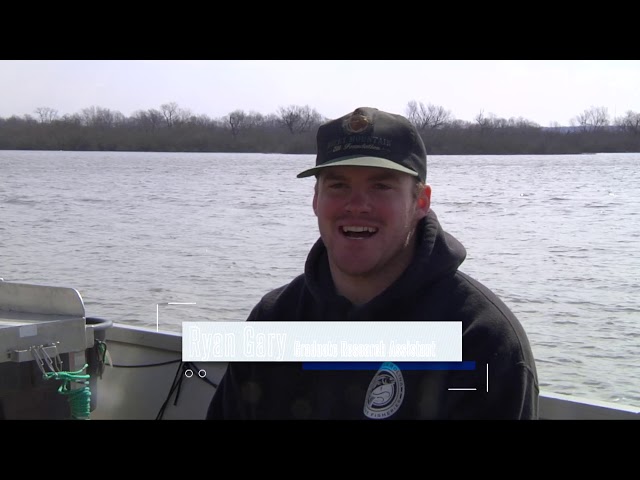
199, 120
429, 116
460, 124
174, 115
271, 121
46, 114
170, 113
482, 121
29, 119
101, 117
255, 119
299, 119
236, 121
630, 122
497, 122
183, 115
148, 119
594, 118
74, 119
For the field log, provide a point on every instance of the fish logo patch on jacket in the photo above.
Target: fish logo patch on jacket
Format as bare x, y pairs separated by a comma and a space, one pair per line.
385, 392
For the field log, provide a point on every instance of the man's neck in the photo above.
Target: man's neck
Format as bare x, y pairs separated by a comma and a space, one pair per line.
360, 289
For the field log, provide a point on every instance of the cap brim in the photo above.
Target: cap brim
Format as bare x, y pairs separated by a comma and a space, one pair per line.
358, 161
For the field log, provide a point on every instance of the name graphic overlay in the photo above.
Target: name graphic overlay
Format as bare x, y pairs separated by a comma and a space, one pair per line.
321, 341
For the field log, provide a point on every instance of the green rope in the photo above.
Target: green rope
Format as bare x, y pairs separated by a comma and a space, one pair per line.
79, 398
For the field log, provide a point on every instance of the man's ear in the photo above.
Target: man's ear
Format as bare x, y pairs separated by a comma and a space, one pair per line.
424, 201
315, 200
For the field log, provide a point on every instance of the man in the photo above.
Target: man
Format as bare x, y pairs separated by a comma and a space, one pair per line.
382, 255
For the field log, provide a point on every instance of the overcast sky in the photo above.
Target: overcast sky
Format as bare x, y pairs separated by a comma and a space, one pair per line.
543, 91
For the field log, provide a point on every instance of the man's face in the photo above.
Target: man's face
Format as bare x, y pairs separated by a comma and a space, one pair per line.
367, 217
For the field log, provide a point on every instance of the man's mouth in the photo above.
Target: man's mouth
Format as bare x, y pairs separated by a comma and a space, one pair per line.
352, 231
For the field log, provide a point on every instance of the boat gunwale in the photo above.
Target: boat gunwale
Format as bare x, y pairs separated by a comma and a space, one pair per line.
552, 405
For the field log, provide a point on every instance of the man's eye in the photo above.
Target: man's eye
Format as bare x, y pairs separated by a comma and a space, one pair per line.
382, 186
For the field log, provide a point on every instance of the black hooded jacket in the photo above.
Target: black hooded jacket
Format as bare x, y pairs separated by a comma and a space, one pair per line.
498, 382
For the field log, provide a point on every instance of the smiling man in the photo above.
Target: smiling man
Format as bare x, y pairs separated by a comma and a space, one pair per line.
367, 218
383, 255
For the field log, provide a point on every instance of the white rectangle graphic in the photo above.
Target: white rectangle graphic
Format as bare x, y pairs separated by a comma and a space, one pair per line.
321, 341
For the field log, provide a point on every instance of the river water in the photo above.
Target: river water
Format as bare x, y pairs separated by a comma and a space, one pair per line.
556, 236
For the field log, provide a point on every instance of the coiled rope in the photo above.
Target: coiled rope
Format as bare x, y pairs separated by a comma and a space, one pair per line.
79, 398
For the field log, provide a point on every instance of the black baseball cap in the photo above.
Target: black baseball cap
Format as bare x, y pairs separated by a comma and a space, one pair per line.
368, 137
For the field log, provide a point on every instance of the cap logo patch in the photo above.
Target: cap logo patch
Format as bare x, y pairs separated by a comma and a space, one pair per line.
356, 123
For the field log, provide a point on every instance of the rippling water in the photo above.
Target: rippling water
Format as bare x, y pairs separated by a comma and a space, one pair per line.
557, 237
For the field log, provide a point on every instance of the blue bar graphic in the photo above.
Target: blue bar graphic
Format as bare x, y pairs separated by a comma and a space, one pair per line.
401, 365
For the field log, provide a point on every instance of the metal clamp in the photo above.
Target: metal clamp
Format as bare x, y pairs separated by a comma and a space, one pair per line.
47, 354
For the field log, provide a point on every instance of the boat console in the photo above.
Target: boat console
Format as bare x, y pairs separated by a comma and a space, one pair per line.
49, 353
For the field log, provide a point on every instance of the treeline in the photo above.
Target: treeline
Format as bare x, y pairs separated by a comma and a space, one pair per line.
292, 130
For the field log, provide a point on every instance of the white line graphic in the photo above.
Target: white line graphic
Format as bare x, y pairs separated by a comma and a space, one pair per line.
167, 303
487, 378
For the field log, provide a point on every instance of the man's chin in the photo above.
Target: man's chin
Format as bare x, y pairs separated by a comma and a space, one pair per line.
355, 269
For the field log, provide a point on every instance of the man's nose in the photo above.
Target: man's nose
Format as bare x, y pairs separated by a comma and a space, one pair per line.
358, 201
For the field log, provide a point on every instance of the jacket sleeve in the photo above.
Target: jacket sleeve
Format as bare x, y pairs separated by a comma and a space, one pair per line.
513, 395
521, 395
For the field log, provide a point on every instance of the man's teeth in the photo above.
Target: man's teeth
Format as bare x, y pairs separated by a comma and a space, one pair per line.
360, 229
